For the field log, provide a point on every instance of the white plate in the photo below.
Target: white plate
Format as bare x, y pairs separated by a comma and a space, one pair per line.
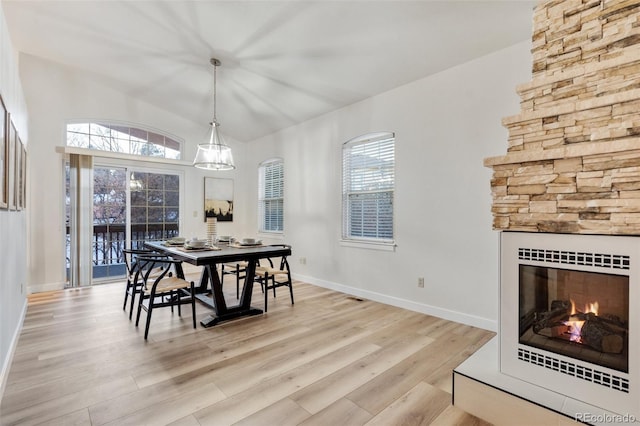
188, 247
256, 243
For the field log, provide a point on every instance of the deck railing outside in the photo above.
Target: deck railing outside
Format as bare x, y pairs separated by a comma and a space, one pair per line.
110, 240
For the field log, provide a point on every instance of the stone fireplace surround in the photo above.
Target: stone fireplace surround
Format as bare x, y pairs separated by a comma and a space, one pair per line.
573, 157
573, 163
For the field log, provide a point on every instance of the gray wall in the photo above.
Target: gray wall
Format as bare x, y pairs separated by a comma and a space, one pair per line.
13, 224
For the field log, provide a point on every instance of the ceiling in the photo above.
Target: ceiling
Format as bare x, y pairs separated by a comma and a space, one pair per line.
283, 62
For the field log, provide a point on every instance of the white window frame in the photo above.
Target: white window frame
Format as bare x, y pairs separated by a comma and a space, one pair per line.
276, 197
124, 139
373, 177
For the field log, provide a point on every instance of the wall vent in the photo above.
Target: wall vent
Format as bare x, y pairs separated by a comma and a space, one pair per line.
581, 372
612, 261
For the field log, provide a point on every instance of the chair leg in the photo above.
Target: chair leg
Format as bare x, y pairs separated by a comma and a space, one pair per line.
290, 287
146, 328
193, 304
273, 284
126, 295
139, 307
265, 280
134, 291
176, 297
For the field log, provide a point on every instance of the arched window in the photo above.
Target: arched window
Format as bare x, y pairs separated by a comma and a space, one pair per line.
123, 139
368, 180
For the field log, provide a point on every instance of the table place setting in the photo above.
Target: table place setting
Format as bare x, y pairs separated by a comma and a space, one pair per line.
193, 244
246, 243
175, 241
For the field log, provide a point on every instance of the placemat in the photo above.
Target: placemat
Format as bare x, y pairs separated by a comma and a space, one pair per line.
166, 244
236, 245
206, 248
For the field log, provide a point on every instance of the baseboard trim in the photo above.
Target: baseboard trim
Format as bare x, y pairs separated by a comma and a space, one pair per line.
472, 320
4, 373
41, 288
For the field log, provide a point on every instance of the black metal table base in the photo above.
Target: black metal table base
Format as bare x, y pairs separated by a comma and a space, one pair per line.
231, 312
210, 320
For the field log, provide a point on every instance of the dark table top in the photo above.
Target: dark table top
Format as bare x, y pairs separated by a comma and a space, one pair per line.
225, 253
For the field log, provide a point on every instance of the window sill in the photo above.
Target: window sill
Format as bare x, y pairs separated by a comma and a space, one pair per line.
370, 245
272, 235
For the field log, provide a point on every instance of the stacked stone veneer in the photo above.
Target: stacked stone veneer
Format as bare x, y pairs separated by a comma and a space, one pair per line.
573, 160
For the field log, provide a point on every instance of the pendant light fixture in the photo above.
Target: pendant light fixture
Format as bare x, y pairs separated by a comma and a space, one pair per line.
214, 154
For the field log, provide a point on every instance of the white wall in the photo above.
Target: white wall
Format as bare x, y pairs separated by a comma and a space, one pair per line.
13, 224
444, 125
57, 94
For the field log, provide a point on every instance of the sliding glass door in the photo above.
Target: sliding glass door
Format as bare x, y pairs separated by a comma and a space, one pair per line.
109, 221
155, 206
129, 207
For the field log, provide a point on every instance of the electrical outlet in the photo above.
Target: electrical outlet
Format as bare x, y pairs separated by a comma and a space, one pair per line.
303, 260
421, 282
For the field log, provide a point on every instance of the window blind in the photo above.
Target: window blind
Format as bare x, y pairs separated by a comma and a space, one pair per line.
368, 185
271, 196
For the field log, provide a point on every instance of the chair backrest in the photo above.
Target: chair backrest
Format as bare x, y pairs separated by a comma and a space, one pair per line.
131, 259
155, 266
284, 264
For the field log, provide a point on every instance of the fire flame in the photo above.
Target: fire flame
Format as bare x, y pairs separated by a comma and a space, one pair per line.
575, 326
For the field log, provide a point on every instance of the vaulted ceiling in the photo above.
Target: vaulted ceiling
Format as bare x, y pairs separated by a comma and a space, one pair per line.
283, 62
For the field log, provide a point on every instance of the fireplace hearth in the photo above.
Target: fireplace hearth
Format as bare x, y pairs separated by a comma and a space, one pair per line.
568, 315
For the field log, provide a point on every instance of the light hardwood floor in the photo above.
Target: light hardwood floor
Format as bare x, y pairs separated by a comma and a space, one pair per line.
330, 359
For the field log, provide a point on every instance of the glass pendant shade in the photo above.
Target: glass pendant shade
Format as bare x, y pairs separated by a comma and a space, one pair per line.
214, 155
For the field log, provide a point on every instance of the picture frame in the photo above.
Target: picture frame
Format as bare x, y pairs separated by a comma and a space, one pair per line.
4, 157
218, 199
24, 176
11, 166
19, 178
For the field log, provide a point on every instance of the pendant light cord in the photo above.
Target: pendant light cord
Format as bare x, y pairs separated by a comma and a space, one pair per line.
215, 62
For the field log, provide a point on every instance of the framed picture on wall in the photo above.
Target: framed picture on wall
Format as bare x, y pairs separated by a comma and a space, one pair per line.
11, 166
218, 199
4, 158
23, 173
19, 178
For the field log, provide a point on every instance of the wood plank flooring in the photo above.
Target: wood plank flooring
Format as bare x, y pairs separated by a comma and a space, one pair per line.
330, 359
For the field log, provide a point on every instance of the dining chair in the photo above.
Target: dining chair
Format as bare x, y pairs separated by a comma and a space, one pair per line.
271, 278
168, 289
134, 279
238, 269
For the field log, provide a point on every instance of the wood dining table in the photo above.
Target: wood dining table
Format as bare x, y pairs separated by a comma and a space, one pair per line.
209, 290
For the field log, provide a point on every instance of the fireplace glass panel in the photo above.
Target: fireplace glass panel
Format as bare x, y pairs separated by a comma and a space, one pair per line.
579, 314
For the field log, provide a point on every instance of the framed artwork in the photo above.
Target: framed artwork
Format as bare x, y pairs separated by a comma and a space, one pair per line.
11, 166
218, 199
19, 173
24, 176
4, 158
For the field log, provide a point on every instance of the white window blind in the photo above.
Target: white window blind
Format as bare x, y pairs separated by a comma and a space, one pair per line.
368, 182
271, 196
